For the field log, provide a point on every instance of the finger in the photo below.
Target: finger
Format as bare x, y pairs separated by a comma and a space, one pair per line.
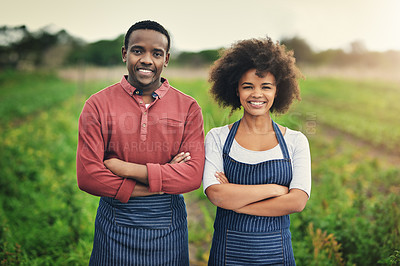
224, 179
177, 158
185, 157
217, 176
221, 177
107, 162
179, 155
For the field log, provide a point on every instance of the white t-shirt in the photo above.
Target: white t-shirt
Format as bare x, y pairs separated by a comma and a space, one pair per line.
296, 142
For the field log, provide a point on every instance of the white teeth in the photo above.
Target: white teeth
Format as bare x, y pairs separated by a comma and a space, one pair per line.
257, 103
145, 70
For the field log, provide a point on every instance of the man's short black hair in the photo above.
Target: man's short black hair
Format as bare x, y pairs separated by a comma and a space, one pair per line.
147, 25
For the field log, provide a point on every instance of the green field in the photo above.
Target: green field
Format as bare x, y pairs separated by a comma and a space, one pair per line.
352, 218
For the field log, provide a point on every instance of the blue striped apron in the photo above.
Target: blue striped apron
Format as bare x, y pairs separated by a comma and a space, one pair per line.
148, 230
241, 239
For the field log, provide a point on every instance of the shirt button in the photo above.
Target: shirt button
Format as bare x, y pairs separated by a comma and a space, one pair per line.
145, 113
141, 102
144, 125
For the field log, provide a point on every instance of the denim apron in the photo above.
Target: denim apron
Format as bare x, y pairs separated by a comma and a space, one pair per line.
241, 239
148, 230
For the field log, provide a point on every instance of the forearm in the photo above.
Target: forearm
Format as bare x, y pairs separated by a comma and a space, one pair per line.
234, 196
182, 174
293, 202
142, 190
176, 178
101, 182
137, 172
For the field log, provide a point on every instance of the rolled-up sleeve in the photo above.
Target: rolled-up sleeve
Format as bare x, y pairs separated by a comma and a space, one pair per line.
93, 177
182, 177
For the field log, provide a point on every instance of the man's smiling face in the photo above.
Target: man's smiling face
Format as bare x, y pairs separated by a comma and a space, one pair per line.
145, 57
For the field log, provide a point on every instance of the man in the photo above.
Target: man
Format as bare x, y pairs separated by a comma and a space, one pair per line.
150, 136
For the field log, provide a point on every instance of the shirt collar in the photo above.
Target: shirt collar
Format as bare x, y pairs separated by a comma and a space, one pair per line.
159, 93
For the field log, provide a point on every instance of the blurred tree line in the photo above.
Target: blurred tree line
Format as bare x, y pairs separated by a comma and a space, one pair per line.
357, 55
20, 48
23, 49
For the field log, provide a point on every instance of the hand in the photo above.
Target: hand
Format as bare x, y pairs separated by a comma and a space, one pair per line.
117, 166
221, 178
181, 158
280, 190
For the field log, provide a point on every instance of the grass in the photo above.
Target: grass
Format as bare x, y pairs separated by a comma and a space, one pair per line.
352, 218
44, 218
22, 95
366, 110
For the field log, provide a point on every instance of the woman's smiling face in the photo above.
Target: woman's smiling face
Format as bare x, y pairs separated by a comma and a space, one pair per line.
256, 93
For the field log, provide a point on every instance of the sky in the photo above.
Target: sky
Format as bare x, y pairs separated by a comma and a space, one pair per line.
211, 24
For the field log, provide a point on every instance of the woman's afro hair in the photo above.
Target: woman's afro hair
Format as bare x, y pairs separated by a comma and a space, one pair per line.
263, 55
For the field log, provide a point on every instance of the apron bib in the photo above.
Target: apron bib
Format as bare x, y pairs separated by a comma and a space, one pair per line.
241, 239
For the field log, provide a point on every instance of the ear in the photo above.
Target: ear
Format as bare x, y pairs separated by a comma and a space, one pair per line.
166, 60
123, 52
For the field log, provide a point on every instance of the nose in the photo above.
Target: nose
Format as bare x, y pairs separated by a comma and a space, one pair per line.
146, 59
257, 92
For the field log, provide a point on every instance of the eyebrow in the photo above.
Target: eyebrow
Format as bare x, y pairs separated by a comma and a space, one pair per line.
136, 46
265, 83
268, 83
141, 47
159, 50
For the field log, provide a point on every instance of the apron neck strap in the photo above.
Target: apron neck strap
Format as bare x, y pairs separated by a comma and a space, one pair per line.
278, 134
231, 137
281, 141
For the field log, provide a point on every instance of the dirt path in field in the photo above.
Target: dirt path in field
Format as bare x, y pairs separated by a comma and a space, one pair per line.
372, 151
194, 216
380, 153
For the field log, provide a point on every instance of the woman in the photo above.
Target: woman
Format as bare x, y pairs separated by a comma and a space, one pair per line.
256, 171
